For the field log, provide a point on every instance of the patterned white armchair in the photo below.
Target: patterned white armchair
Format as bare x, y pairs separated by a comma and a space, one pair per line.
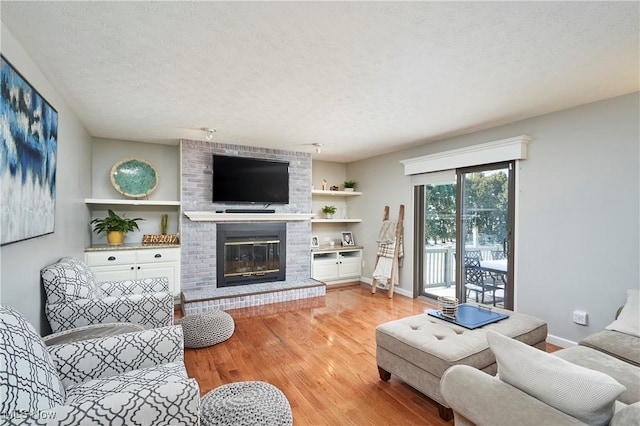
135, 378
75, 298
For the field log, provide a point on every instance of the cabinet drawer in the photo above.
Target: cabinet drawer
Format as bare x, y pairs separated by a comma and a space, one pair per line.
158, 255
105, 258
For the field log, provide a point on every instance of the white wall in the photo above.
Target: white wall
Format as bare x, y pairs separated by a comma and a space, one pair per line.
21, 262
335, 175
164, 158
579, 206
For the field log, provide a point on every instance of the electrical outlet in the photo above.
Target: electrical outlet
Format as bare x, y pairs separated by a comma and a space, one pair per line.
580, 317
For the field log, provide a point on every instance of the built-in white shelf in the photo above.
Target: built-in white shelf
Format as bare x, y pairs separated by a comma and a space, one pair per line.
208, 216
336, 220
115, 201
335, 193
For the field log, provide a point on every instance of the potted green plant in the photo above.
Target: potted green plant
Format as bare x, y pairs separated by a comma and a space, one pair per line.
115, 227
329, 211
350, 185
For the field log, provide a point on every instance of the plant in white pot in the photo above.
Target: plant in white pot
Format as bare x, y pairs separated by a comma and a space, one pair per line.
350, 185
115, 227
329, 211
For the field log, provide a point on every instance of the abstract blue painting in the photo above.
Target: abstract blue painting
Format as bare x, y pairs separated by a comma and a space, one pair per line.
28, 159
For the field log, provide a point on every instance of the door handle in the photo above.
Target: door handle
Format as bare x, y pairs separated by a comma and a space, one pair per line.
158, 256
111, 258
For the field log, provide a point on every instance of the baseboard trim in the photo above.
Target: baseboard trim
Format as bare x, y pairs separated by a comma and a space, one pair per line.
559, 341
396, 289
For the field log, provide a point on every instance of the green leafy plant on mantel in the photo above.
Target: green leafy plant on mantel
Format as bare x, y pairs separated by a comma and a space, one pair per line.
350, 184
115, 226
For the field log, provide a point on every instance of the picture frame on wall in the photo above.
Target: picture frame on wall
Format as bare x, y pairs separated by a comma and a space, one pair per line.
347, 238
28, 159
315, 241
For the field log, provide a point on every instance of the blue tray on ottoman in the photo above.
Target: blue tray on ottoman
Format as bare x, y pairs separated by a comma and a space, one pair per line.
471, 317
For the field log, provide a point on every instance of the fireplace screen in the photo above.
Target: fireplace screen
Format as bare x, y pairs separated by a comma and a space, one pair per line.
250, 253
251, 258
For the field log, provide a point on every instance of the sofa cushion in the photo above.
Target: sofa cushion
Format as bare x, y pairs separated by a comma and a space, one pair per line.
30, 380
628, 321
585, 394
620, 345
131, 382
627, 416
626, 374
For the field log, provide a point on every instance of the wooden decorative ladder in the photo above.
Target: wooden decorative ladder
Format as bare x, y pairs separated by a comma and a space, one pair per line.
396, 251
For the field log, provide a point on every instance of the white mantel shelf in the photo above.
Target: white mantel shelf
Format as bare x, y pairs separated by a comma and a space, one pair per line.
204, 216
129, 202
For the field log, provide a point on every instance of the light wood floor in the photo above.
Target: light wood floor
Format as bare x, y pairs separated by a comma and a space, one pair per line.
321, 354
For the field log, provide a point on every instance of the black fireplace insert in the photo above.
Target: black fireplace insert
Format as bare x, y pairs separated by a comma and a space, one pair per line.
250, 253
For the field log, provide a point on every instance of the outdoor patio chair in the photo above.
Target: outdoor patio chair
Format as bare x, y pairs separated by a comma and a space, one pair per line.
475, 279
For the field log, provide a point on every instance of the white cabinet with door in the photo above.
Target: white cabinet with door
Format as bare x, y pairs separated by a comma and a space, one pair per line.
334, 266
117, 265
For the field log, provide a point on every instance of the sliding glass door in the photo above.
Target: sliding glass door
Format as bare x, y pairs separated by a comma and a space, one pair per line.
485, 234
464, 232
437, 213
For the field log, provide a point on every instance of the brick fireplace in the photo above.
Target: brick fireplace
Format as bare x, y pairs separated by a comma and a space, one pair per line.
199, 268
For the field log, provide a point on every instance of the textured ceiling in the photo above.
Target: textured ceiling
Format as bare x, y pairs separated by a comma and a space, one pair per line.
362, 78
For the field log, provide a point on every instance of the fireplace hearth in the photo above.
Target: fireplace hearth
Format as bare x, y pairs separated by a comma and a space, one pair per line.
250, 253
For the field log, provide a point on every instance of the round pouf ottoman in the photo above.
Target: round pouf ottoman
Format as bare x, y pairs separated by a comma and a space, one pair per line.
245, 403
206, 329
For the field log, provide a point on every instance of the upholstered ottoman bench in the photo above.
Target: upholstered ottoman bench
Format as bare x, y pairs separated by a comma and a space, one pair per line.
419, 349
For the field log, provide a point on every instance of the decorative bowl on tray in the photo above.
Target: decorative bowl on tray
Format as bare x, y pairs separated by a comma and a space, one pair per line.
448, 306
134, 178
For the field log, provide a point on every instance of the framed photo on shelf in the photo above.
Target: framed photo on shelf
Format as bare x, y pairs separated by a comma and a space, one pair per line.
347, 238
315, 242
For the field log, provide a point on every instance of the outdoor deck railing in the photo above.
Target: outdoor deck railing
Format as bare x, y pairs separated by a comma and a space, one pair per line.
440, 264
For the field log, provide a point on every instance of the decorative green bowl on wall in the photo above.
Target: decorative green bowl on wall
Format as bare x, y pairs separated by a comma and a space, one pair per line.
134, 178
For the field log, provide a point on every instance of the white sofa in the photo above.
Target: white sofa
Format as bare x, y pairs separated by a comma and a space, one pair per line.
595, 382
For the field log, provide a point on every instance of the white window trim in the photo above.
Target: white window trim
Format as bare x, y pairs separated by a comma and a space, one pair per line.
443, 177
491, 152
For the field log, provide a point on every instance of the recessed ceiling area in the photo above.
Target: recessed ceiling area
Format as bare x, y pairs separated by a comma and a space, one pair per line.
360, 78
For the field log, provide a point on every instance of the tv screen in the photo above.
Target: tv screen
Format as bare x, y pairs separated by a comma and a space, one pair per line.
250, 180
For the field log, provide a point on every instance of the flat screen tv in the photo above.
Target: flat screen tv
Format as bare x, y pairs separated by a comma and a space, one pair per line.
250, 180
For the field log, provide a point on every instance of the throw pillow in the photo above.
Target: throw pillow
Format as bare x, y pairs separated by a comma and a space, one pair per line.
585, 394
628, 321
